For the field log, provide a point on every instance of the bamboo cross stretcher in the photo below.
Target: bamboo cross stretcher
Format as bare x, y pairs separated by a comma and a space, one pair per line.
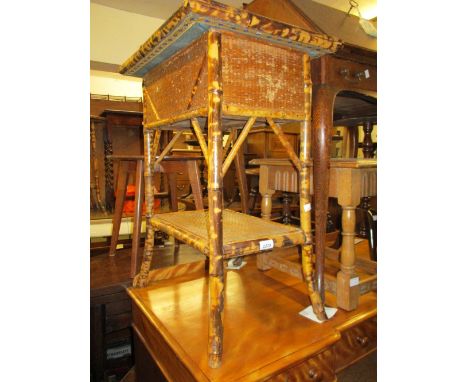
236, 70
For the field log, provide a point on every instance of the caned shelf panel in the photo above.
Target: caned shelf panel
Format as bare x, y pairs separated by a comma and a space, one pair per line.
242, 233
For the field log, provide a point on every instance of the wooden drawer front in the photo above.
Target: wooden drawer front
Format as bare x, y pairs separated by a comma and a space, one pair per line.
319, 368
351, 75
356, 342
183, 187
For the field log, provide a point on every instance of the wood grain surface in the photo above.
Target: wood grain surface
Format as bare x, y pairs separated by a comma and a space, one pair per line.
263, 333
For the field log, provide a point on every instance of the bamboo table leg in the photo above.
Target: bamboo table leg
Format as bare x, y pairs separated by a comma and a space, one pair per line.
122, 180
141, 279
215, 202
137, 218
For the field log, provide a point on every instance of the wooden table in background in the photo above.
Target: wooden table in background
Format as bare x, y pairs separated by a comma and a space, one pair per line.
350, 179
265, 337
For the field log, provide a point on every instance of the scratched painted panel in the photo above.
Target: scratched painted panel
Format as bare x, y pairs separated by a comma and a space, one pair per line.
260, 76
170, 84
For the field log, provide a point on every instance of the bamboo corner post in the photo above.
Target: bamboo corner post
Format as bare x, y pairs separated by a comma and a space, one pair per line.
215, 201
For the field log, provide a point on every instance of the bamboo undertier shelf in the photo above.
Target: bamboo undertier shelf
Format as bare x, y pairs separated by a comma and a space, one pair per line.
242, 234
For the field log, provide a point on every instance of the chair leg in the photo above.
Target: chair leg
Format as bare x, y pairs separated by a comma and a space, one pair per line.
194, 177
121, 189
137, 218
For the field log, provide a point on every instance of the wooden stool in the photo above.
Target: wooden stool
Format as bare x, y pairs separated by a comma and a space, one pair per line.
128, 164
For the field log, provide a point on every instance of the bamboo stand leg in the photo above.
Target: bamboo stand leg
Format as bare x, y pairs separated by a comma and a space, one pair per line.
305, 202
323, 98
141, 279
215, 202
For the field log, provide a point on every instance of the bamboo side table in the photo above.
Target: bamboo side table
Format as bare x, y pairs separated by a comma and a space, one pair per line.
231, 70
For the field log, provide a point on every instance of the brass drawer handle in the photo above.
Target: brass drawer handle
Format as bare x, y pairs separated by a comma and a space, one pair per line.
363, 341
315, 375
180, 188
357, 77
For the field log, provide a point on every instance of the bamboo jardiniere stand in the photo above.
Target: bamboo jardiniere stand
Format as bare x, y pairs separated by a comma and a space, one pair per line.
229, 69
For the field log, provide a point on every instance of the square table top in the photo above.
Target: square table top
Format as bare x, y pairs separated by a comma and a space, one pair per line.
195, 17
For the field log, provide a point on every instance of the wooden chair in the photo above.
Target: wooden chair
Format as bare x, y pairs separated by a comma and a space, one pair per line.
128, 164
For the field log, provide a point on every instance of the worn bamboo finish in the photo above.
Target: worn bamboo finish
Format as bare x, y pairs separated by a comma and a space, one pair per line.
181, 117
242, 233
304, 199
201, 139
153, 108
229, 140
155, 146
168, 148
237, 145
141, 279
211, 13
284, 141
215, 201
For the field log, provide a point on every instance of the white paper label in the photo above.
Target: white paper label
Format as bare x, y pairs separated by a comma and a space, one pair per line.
307, 207
309, 313
266, 244
366, 73
354, 281
374, 218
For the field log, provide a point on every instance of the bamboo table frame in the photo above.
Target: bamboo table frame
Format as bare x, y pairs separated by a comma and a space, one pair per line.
210, 24
350, 179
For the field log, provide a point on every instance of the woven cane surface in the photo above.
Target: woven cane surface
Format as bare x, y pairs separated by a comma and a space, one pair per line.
238, 228
170, 84
257, 75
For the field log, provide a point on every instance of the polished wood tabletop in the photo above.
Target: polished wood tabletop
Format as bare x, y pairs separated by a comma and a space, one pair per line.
263, 331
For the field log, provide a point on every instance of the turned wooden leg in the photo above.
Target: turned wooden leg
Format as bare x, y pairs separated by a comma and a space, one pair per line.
305, 206
266, 205
142, 278
266, 214
215, 202
194, 177
323, 98
286, 208
347, 282
137, 218
121, 189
